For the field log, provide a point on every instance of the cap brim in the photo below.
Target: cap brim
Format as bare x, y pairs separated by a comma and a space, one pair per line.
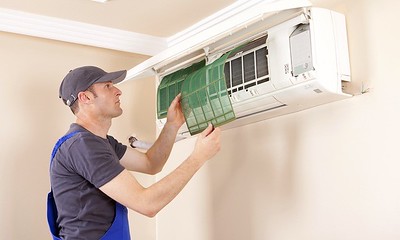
114, 77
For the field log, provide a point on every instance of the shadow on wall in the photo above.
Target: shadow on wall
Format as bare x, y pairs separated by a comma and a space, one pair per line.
255, 171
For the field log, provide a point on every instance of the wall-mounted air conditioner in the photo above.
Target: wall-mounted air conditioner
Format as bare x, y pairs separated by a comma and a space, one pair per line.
287, 61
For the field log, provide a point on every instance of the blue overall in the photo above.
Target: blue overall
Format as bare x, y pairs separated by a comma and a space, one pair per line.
119, 229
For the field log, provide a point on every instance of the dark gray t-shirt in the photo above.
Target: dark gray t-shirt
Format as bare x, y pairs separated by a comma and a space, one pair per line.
82, 164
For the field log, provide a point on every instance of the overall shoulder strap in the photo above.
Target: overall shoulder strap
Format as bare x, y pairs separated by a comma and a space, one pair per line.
52, 213
59, 143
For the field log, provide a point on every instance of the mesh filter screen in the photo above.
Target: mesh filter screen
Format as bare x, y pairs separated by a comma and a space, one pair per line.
204, 96
171, 85
205, 99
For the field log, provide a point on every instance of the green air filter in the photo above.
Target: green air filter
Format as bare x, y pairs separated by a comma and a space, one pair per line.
170, 86
205, 99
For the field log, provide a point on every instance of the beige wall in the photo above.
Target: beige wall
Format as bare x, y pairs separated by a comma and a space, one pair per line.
33, 118
326, 173
330, 172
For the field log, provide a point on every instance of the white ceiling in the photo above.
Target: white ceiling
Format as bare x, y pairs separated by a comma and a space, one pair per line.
135, 26
161, 18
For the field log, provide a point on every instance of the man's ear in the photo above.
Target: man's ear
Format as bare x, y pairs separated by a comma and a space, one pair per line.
84, 97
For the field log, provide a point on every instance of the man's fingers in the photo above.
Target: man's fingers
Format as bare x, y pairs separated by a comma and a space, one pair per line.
208, 130
176, 100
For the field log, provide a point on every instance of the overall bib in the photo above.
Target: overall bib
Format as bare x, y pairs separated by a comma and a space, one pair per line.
119, 229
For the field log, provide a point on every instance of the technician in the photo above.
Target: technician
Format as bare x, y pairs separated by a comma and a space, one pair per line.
89, 170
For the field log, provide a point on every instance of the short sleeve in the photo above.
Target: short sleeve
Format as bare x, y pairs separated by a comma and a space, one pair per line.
119, 148
95, 159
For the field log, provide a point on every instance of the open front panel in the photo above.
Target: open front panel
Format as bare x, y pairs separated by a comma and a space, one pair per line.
205, 98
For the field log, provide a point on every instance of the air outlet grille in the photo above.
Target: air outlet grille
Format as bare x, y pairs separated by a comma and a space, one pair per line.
248, 67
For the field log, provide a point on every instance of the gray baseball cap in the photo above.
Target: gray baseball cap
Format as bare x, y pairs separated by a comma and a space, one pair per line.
80, 79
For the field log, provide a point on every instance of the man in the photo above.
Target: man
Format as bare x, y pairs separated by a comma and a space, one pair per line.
89, 173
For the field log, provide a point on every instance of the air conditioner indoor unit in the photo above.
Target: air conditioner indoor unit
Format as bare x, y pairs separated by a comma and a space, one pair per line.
278, 63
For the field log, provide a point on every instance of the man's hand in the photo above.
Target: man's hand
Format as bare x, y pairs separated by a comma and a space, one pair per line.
175, 115
207, 144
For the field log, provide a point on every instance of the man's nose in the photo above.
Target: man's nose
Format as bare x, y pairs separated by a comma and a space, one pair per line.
119, 92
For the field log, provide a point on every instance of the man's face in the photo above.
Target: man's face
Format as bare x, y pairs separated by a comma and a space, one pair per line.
107, 99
